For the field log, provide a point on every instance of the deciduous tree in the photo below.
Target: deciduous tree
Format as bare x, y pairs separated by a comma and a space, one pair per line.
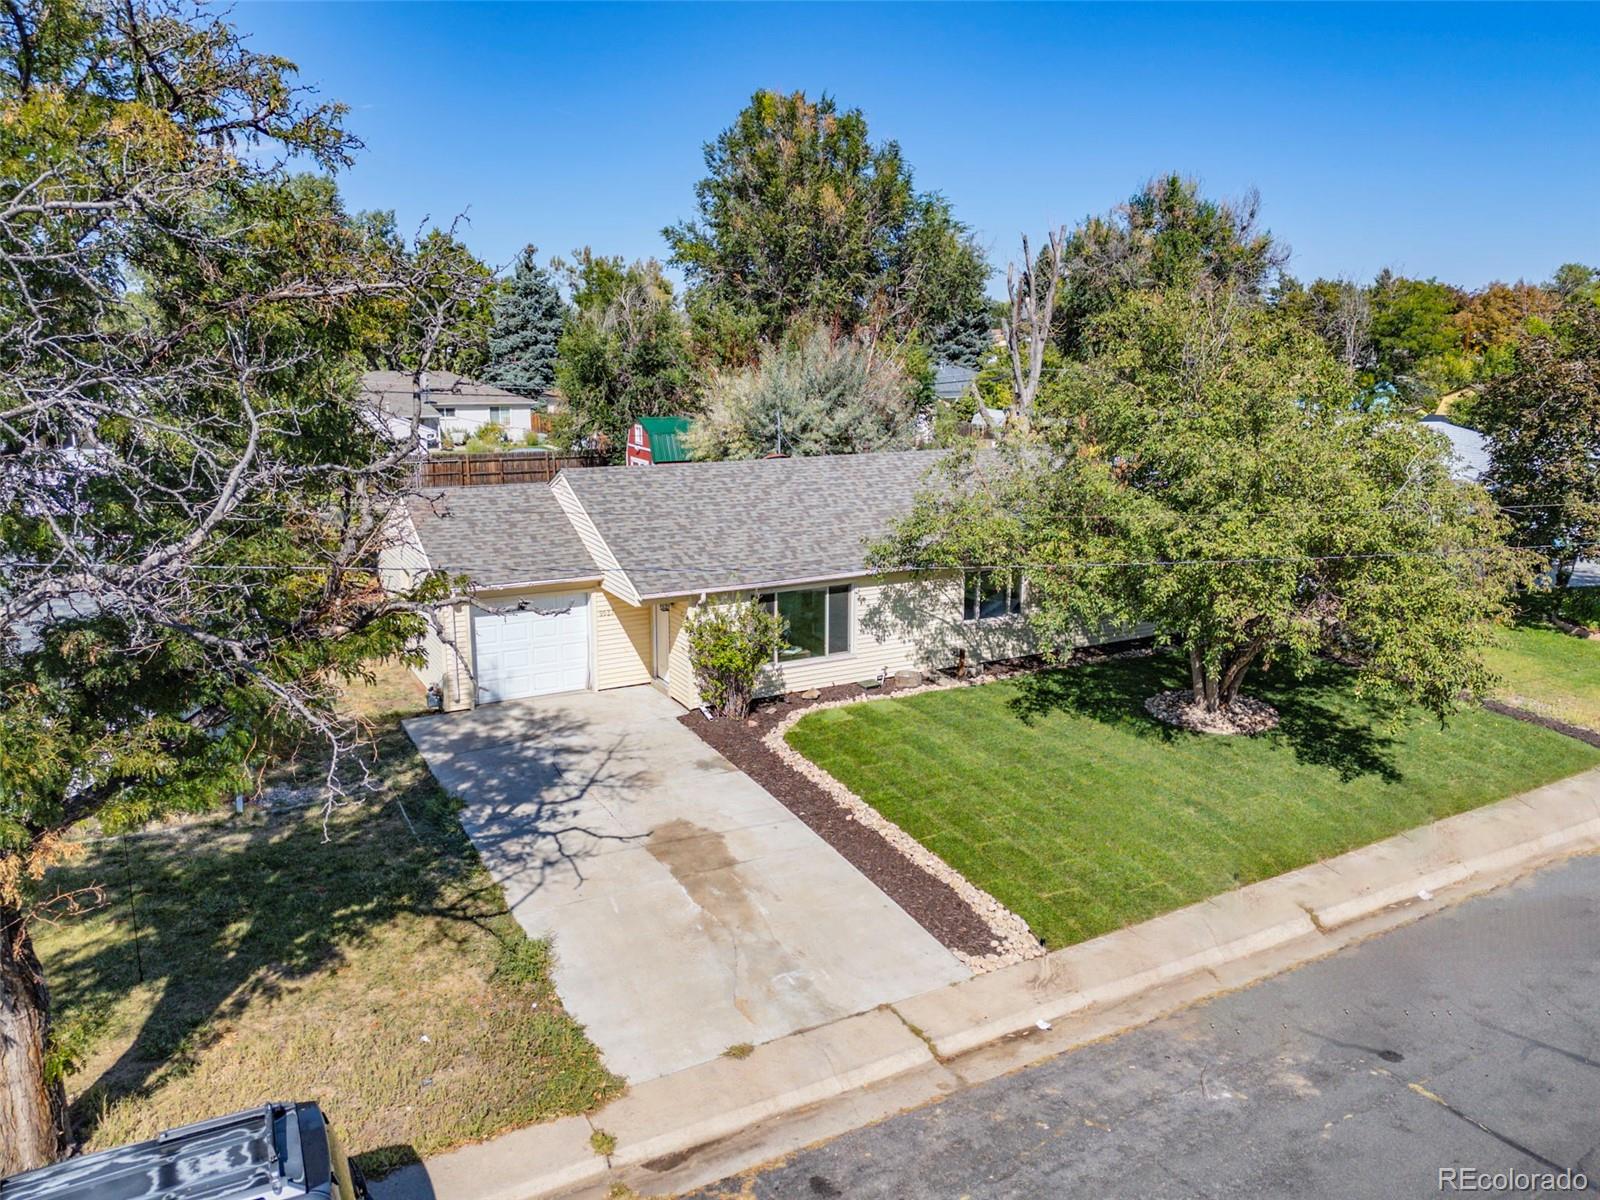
191, 497
624, 353
802, 217
1167, 235
1542, 421
1205, 471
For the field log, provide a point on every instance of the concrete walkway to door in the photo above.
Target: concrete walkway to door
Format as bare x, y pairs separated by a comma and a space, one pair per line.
689, 910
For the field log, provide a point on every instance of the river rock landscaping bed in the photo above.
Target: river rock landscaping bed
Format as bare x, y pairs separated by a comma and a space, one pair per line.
1244, 716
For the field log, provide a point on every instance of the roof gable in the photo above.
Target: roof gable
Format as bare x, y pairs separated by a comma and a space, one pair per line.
512, 533
724, 526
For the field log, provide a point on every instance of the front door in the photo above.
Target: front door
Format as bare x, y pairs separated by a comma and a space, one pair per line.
660, 641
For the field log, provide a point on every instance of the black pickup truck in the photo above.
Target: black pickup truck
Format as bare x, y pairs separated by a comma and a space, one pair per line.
275, 1152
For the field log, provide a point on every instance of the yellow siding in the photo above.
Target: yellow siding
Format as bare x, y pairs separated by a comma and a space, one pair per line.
680, 675
448, 665
904, 623
401, 559
621, 642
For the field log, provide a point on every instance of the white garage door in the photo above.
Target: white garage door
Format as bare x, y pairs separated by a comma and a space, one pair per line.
533, 652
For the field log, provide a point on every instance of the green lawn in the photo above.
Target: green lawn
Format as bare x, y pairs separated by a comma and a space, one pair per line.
1058, 794
1549, 672
273, 965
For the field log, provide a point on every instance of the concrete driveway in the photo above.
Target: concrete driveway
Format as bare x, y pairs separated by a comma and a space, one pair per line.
689, 910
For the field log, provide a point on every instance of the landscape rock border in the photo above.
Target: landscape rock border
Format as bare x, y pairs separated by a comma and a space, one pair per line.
1012, 941
966, 920
1244, 717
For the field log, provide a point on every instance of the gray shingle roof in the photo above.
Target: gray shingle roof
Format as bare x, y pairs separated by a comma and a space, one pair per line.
714, 526
395, 392
951, 381
512, 533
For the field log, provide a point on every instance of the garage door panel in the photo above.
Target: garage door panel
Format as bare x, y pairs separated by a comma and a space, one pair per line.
532, 652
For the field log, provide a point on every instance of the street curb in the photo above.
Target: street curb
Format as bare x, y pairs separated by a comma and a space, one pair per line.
536, 1160
1305, 908
700, 1104
1112, 967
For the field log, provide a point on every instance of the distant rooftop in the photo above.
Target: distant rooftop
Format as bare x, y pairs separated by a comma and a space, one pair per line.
951, 381
395, 392
1469, 450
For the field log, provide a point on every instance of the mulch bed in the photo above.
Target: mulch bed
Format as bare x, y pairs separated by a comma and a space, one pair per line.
1533, 718
931, 902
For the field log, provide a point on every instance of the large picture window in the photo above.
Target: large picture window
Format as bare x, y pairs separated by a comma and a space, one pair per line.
990, 594
818, 621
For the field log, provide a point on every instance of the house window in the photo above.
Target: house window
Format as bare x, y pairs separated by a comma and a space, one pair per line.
499, 414
818, 621
447, 411
989, 594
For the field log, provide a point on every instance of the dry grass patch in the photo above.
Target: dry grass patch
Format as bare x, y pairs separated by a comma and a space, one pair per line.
377, 972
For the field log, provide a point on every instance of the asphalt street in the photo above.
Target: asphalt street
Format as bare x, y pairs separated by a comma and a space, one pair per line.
1469, 1040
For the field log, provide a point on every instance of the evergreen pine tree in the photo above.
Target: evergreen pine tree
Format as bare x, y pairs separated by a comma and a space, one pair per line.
528, 318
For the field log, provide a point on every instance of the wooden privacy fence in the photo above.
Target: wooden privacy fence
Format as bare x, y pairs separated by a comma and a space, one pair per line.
479, 470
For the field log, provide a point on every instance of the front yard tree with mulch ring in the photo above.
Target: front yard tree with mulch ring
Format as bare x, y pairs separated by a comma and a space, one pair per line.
1061, 797
1208, 469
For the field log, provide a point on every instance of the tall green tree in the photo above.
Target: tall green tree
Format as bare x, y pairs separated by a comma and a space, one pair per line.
1167, 235
1418, 343
802, 218
1340, 311
528, 319
394, 328
1542, 422
191, 496
817, 396
1204, 470
623, 354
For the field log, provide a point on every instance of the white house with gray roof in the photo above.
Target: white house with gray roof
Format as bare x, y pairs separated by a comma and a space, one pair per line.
588, 582
445, 406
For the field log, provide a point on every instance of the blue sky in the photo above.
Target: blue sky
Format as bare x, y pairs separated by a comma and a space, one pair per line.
1459, 142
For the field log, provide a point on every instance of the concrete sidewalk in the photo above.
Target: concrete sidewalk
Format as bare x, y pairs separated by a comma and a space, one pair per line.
684, 1130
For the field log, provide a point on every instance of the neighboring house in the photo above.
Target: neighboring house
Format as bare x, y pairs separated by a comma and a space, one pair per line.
952, 382
1470, 463
448, 407
1469, 451
655, 440
588, 582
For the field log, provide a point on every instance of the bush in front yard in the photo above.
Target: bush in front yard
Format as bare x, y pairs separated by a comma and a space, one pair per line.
728, 646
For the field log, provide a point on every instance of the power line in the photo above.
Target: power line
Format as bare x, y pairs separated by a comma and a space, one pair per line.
1087, 564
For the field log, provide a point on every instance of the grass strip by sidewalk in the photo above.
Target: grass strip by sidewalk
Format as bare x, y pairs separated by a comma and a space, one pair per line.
1061, 797
377, 972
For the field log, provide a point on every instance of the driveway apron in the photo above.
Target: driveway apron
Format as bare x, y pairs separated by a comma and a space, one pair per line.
690, 911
